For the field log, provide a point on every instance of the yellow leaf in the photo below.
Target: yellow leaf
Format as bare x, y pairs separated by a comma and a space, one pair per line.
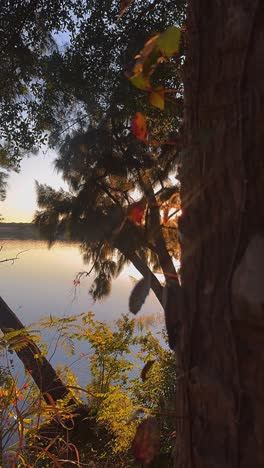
139, 80
27, 421
156, 98
169, 41
147, 58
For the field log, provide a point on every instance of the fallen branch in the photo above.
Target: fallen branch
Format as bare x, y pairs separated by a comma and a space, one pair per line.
42, 372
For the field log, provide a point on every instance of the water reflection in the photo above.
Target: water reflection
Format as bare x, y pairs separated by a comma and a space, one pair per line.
40, 283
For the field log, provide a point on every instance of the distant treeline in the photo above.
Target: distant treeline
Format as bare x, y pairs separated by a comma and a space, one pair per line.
19, 231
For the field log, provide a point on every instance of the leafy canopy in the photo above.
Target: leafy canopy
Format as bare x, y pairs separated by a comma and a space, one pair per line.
115, 182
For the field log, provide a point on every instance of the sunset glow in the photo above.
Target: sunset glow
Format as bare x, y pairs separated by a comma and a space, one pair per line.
20, 203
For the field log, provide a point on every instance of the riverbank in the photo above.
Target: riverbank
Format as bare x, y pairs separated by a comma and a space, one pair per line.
19, 231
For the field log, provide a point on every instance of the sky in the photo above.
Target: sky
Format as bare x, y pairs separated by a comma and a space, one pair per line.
20, 202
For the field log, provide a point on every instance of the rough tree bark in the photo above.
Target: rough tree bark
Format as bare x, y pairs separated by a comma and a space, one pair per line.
220, 349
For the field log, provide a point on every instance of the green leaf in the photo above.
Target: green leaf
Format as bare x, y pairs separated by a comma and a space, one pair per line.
169, 41
156, 98
140, 81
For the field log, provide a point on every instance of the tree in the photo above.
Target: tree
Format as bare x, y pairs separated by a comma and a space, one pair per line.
27, 36
28, 32
104, 165
40, 77
59, 59
103, 170
217, 322
220, 345
145, 169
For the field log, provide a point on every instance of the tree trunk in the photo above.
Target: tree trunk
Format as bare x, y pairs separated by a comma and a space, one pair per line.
41, 370
220, 349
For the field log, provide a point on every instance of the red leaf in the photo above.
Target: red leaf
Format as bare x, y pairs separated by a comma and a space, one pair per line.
139, 126
136, 213
165, 215
146, 442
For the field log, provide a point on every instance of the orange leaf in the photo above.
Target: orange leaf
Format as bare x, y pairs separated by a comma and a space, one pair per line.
139, 126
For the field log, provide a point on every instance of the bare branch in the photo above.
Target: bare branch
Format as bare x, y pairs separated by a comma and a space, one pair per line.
12, 259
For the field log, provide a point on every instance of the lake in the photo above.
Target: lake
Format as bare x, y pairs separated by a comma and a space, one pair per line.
40, 282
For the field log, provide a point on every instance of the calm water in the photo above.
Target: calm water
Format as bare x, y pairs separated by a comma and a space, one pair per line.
40, 283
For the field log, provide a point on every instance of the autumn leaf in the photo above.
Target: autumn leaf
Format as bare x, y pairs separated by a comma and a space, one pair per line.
156, 98
156, 50
139, 126
169, 41
146, 442
148, 56
146, 369
165, 215
145, 64
140, 81
136, 213
124, 6
139, 294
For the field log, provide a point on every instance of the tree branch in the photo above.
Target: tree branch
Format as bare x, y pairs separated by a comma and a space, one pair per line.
12, 259
143, 268
165, 259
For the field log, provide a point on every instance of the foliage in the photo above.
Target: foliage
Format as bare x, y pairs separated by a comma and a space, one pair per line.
116, 393
100, 211
157, 50
113, 206
27, 37
61, 60
78, 98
